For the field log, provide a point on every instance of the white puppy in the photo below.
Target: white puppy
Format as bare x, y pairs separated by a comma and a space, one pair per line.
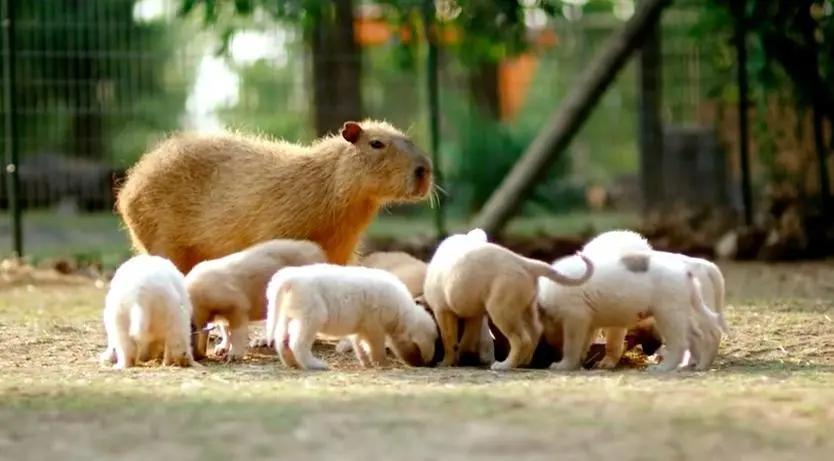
369, 304
233, 288
611, 245
469, 277
147, 305
623, 291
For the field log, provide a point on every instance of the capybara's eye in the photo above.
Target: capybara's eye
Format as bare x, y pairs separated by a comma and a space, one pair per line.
376, 144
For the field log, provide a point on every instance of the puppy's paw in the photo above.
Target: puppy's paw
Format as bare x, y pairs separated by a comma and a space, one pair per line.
108, 357
317, 365
500, 366
563, 365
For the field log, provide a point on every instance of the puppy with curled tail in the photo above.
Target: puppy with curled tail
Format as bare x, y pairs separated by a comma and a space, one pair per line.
368, 305
623, 291
469, 277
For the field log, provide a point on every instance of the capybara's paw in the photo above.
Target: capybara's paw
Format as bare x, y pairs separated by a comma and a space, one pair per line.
221, 350
607, 363
261, 343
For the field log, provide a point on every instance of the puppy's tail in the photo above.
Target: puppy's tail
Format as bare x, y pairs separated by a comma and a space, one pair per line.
718, 288
540, 269
697, 300
281, 288
139, 322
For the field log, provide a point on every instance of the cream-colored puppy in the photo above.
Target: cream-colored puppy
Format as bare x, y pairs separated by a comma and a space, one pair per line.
468, 277
412, 272
146, 306
234, 288
623, 291
369, 305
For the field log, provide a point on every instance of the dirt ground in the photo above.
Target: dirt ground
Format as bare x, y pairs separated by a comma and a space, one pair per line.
770, 396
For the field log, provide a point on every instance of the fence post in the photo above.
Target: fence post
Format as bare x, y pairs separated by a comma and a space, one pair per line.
743, 134
433, 95
10, 110
650, 123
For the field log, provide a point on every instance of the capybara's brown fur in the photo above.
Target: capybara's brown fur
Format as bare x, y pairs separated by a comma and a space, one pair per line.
407, 268
203, 196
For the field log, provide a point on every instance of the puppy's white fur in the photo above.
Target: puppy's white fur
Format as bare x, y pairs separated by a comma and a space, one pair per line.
146, 306
468, 277
412, 272
367, 304
611, 245
234, 288
620, 293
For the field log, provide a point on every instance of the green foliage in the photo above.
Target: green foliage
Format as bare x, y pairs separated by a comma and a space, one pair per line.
481, 153
88, 72
269, 99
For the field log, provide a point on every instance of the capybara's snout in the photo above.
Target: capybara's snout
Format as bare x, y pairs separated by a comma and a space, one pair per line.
423, 176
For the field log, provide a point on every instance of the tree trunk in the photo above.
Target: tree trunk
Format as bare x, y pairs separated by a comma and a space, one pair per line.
337, 70
483, 89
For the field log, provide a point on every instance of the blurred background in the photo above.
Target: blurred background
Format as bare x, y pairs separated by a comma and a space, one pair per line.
660, 146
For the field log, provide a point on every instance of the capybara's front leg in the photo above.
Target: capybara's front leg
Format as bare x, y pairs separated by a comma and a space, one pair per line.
447, 323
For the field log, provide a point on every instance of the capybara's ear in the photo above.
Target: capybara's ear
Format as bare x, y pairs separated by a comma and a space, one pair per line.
351, 132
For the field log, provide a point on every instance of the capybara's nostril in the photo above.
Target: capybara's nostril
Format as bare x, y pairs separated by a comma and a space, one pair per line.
421, 172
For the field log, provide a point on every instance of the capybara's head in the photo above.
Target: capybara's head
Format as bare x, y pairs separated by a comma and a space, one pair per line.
402, 172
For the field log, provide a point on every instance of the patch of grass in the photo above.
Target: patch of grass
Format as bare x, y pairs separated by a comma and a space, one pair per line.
770, 396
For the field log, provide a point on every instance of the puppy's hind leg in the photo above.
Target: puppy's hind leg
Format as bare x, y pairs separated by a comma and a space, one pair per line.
672, 324
614, 345
447, 323
301, 342
358, 349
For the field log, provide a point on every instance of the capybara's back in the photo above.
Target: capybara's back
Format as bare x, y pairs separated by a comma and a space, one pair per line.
203, 196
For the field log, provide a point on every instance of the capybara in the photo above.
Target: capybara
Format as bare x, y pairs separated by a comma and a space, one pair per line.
198, 196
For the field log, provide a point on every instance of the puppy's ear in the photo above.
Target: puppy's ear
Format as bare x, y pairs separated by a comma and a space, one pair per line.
408, 352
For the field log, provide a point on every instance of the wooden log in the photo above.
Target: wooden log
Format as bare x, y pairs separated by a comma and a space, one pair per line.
568, 118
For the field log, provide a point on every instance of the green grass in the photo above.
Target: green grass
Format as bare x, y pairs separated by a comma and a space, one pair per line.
770, 396
101, 237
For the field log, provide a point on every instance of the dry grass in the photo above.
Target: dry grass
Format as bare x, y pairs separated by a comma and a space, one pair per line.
770, 397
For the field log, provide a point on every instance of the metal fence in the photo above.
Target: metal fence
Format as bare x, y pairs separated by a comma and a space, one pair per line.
94, 83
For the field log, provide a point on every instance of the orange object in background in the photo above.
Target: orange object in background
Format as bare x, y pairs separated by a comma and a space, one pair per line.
514, 74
